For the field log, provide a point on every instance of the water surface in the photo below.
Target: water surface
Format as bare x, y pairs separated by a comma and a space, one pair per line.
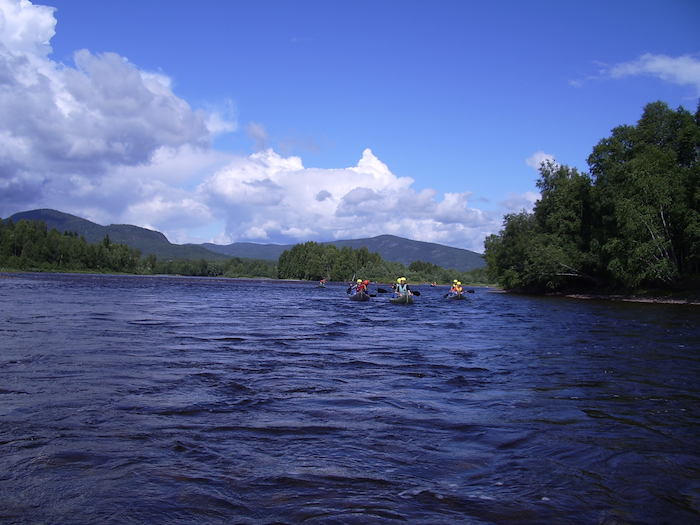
186, 400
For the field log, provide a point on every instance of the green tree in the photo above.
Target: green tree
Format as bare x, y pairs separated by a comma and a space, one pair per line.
645, 180
506, 253
635, 221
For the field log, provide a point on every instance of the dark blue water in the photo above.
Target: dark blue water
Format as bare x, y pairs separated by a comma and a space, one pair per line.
178, 400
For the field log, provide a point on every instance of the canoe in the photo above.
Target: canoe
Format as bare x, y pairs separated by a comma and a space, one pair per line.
456, 296
402, 299
360, 296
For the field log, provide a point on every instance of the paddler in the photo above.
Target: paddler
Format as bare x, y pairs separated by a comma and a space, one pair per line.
353, 288
361, 286
401, 288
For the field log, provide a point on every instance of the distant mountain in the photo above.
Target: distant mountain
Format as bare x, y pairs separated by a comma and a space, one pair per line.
249, 250
145, 240
390, 247
405, 251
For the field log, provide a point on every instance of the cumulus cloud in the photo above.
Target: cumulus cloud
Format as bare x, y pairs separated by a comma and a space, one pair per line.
267, 197
323, 195
538, 158
66, 127
106, 140
25, 28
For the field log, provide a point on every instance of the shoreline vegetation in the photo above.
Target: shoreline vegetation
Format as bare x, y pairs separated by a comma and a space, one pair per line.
680, 298
629, 226
31, 246
6, 273
672, 298
655, 299
628, 231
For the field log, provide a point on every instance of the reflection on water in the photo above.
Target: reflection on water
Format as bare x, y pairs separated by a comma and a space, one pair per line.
178, 400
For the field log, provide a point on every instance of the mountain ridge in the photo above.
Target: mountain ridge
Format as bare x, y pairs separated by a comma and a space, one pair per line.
143, 239
389, 247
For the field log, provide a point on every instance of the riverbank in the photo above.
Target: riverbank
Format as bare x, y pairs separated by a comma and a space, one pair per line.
670, 299
687, 298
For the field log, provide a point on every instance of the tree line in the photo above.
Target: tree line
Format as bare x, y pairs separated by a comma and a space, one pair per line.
314, 261
30, 245
633, 222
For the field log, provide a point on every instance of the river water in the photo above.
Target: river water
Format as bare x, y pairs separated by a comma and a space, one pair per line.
192, 400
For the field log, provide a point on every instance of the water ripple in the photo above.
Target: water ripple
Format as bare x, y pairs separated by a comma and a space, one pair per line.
185, 400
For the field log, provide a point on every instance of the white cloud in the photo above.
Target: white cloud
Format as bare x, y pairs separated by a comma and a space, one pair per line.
110, 142
26, 28
683, 70
65, 127
536, 159
267, 197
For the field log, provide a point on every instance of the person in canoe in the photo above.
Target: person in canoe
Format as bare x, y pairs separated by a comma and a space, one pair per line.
359, 291
401, 288
352, 287
404, 295
357, 287
456, 291
322, 283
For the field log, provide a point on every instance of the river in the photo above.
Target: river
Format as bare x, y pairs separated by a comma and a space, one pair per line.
128, 399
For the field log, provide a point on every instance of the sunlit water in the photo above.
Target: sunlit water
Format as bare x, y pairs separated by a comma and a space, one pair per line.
183, 400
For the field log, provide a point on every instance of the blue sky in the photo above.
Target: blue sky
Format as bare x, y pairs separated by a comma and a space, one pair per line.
278, 121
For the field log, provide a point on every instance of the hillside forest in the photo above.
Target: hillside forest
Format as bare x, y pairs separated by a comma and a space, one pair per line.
314, 261
31, 246
631, 224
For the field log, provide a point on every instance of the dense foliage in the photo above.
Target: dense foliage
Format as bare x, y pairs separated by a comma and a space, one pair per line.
29, 245
233, 267
313, 261
633, 222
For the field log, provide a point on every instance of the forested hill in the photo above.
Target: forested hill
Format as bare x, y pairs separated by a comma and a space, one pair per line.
406, 251
389, 247
145, 240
